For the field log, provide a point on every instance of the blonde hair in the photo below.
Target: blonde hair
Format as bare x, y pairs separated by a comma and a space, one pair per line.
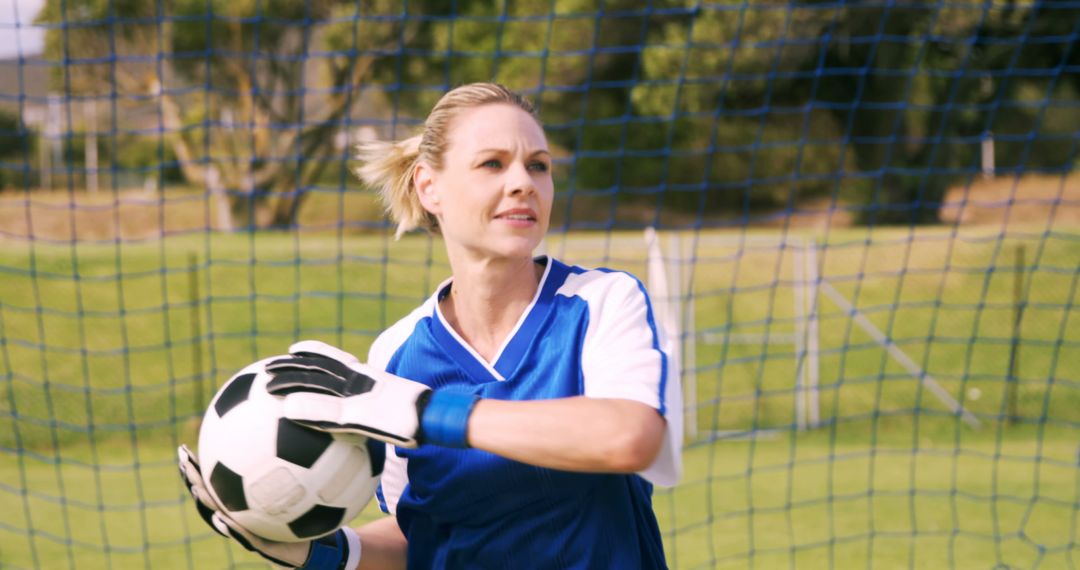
388, 166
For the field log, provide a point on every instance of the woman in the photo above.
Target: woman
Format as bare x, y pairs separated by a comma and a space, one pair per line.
561, 415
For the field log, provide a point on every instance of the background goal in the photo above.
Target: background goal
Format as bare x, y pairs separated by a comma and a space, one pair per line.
858, 220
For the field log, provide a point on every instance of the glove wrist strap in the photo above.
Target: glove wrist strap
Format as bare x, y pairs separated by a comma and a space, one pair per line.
445, 419
338, 551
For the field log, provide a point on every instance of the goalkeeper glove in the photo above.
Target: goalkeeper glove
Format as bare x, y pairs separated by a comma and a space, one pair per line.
331, 390
336, 551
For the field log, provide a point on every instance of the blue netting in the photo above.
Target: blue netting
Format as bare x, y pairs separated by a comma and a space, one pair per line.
867, 221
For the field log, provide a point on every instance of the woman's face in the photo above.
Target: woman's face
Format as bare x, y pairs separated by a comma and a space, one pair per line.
493, 196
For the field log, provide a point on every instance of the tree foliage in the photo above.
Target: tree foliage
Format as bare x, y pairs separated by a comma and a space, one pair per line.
250, 93
16, 144
725, 106
884, 103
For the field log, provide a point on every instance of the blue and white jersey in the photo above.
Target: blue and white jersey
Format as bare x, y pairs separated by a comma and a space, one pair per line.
587, 332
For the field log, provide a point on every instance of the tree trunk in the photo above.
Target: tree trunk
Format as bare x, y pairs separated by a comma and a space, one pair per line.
286, 211
251, 210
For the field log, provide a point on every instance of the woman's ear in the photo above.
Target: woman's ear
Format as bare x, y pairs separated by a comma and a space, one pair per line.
426, 188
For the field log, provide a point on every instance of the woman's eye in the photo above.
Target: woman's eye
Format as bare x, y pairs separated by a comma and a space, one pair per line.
539, 167
493, 163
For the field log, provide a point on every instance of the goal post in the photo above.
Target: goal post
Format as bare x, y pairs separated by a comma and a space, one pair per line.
670, 280
858, 223
805, 309
674, 299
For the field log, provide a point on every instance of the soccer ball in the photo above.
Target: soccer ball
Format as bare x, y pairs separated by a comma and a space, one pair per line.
276, 478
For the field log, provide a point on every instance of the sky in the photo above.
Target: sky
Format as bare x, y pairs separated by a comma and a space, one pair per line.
18, 33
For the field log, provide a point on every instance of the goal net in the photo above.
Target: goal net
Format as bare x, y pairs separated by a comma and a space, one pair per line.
859, 223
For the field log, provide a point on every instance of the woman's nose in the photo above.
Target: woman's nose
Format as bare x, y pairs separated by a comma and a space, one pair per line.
520, 182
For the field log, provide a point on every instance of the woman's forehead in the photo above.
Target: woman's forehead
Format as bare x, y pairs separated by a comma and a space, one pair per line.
498, 126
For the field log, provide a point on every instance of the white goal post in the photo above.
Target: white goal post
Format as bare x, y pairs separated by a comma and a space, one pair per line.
669, 259
670, 282
671, 288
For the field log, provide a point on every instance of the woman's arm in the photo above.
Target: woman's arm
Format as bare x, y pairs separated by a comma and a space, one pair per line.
575, 434
382, 545
581, 433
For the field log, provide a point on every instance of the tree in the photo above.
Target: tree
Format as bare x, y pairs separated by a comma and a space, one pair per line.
730, 87
901, 103
1032, 112
916, 111
249, 94
904, 85
15, 142
236, 81
713, 108
579, 59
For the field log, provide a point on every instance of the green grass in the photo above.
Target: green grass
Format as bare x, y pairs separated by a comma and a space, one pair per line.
810, 501
108, 352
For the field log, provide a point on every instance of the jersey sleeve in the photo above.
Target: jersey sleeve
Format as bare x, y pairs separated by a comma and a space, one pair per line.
395, 475
625, 356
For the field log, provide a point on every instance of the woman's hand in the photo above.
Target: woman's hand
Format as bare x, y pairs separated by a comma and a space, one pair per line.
331, 551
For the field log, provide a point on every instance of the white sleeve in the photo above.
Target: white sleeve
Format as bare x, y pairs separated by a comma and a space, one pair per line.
395, 477
625, 356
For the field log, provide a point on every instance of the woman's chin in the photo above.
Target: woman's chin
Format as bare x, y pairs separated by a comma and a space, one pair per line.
523, 252
498, 247
516, 246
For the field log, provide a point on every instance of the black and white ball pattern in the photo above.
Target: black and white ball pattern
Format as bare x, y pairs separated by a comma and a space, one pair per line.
278, 479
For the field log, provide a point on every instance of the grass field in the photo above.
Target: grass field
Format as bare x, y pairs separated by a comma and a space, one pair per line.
809, 501
109, 351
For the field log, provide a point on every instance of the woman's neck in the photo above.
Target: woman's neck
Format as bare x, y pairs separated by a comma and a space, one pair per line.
487, 299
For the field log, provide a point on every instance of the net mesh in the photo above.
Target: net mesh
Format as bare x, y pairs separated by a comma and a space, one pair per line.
858, 219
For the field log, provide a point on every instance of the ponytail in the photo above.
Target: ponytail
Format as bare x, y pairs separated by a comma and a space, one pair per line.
388, 167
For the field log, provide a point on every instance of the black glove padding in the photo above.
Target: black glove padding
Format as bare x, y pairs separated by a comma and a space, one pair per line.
306, 372
289, 554
329, 389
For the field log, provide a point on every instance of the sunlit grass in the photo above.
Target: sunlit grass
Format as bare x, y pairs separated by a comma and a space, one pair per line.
109, 351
